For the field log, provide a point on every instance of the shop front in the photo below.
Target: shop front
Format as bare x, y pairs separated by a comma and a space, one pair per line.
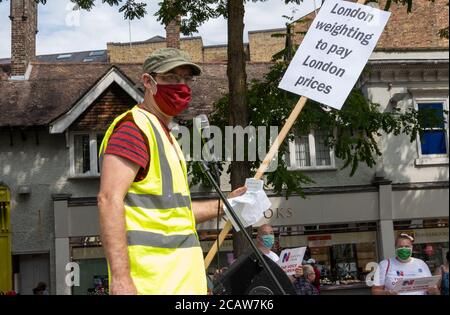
342, 252
343, 237
88, 254
341, 242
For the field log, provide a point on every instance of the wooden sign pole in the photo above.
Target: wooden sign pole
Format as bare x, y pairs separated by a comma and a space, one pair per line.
263, 167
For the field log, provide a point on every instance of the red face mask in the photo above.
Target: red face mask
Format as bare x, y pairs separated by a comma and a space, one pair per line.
172, 99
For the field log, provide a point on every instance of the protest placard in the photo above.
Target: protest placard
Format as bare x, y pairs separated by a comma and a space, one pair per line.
415, 284
291, 258
334, 51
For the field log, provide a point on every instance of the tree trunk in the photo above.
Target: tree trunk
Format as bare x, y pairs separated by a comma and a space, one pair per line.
237, 83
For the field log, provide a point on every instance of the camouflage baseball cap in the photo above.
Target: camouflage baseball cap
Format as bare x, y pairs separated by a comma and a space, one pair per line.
166, 59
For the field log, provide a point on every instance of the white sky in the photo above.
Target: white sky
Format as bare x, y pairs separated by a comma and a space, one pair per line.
63, 30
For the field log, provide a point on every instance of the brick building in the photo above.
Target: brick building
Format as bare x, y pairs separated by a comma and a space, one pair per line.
417, 30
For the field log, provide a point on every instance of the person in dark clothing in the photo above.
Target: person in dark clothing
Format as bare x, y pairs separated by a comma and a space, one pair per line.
316, 282
304, 285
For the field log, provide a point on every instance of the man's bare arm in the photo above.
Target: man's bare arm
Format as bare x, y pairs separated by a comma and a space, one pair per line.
116, 177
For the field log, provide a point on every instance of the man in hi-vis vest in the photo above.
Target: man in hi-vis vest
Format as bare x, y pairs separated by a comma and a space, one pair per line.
146, 217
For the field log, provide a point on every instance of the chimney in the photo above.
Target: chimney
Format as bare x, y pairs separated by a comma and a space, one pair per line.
173, 33
23, 35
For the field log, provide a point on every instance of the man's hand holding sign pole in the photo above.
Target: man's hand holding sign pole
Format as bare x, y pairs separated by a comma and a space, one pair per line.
326, 66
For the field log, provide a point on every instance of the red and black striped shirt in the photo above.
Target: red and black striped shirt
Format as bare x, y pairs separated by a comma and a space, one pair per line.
129, 142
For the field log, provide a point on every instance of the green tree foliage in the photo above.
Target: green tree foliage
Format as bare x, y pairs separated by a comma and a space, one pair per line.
131, 8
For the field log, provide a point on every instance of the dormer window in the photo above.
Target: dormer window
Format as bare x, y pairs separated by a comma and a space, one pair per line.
84, 147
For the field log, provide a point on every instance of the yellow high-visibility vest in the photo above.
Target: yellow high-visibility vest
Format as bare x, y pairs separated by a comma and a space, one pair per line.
163, 246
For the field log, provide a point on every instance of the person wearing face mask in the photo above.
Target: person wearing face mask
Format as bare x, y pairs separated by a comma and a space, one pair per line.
146, 217
403, 265
304, 284
265, 241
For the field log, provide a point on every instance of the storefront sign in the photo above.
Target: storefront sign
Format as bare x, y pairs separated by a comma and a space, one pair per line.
278, 213
88, 252
319, 241
290, 259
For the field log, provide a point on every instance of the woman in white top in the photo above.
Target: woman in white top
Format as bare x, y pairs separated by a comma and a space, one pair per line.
403, 265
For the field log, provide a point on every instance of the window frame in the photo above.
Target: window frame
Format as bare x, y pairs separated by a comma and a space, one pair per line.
432, 159
293, 165
93, 154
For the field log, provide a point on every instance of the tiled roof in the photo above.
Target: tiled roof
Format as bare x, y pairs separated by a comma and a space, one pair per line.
79, 56
53, 88
154, 39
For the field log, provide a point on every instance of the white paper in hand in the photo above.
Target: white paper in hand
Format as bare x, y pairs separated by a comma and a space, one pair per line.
250, 206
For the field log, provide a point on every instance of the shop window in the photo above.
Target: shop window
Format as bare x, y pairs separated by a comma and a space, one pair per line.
84, 148
93, 277
433, 254
344, 261
366, 253
341, 251
420, 223
87, 252
310, 151
344, 264
435, 223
